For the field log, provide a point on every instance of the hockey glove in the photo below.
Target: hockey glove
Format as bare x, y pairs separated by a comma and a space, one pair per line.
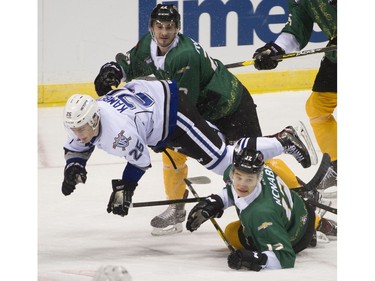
262, 56
211, 207
243, 258
121, 197
109, 75
74, 173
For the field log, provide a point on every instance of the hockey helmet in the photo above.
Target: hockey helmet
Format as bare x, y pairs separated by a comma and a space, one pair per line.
80, 110
248, 160
165, 12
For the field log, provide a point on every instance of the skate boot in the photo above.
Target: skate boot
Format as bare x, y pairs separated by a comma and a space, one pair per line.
170, 221
330, 179
293, 145
328, 227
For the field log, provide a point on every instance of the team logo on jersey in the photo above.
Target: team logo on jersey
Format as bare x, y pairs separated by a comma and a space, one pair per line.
275, 247
304, 219
182, 70
121, 141
264, 225
148, 60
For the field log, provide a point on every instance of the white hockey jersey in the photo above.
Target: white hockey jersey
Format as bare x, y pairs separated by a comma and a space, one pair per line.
131, 118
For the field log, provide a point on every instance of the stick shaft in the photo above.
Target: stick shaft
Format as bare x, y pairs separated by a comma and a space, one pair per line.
216, 225
322, 206
165, 202
286, 56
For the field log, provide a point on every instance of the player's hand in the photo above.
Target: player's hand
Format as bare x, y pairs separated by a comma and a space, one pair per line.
110, 74
247, 259
74, 173
121, 197
262, 56
211, 207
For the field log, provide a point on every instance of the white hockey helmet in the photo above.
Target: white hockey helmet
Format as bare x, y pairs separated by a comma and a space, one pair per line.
80, 110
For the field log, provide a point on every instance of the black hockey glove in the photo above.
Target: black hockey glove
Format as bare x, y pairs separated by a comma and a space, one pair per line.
243, 258
74, 173
262, 56
121, 197
211, 207
109, 75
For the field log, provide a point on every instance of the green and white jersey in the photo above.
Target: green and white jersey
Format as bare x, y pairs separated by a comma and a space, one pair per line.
210, 86
274, 217
302, 16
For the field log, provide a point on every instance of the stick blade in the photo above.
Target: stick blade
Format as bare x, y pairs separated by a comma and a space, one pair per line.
320, 173
199, 180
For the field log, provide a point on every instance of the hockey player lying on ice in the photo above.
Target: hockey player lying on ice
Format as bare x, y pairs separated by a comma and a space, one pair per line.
151, 113
275, 223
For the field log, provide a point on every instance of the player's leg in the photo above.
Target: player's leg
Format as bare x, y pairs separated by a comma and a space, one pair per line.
284, 172
244, 122
319, 108
174, 174
169, 221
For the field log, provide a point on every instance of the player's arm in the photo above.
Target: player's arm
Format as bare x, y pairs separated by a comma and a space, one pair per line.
126, 67
186, 71
272, 241
293, 37
297, 32
123, 189
76, 156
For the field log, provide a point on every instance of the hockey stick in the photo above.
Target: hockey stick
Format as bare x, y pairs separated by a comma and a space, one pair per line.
200, 180
322, 206
195, 180
286, 56
166, 202
319, 175
315, 181
219, 230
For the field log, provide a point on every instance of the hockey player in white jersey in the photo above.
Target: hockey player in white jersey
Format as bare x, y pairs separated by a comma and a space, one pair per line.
151, 114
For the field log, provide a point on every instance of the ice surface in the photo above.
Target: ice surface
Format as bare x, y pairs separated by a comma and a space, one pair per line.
76, 235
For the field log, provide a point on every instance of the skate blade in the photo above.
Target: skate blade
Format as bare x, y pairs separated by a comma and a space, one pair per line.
303, 134
330, 192
169, 230
326, 202
321, 237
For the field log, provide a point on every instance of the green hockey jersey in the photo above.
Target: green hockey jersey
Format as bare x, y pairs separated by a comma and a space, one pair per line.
302, 16
273, 217
209, 85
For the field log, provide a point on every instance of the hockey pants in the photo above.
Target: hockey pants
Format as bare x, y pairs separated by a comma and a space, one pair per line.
320, 107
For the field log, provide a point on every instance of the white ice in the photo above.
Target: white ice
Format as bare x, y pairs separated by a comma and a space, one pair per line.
76, 235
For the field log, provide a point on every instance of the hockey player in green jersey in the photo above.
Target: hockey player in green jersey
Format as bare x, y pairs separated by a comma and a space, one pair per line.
323, 99
276, 223
218, 94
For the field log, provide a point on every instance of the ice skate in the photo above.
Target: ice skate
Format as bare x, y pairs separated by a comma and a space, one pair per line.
330, 179
328, 227
170, 221
293, 145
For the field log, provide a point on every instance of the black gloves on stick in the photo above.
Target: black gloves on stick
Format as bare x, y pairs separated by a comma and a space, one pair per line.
109, 75
262, 56
74, 173
247, 259
121, 197
211, 207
